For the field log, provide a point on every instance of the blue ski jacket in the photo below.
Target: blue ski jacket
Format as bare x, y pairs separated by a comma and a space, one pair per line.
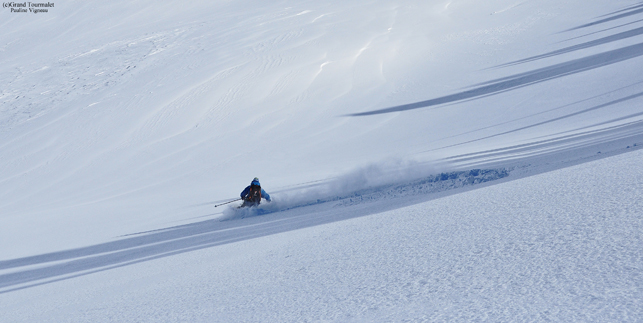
247, 190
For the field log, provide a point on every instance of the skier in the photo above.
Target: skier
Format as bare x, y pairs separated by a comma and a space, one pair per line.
253, 193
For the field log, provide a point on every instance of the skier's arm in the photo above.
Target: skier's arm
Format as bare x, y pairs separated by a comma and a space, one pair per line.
245, 192
265, 195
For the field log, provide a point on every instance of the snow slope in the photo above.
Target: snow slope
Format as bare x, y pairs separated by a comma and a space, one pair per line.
122, 124
558, 246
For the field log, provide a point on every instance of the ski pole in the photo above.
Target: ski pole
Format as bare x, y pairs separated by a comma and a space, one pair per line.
228, 202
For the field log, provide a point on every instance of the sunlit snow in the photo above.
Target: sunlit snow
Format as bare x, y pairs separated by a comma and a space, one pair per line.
427, 160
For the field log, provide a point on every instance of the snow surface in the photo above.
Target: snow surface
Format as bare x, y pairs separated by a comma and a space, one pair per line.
428, 161
557, 246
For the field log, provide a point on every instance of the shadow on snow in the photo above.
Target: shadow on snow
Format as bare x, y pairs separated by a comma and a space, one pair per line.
616, 37
57, 266
517, 81
624, 13
544, 74
569, 115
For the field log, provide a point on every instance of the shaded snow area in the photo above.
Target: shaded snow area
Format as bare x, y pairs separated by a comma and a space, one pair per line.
559, 246
437, 160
